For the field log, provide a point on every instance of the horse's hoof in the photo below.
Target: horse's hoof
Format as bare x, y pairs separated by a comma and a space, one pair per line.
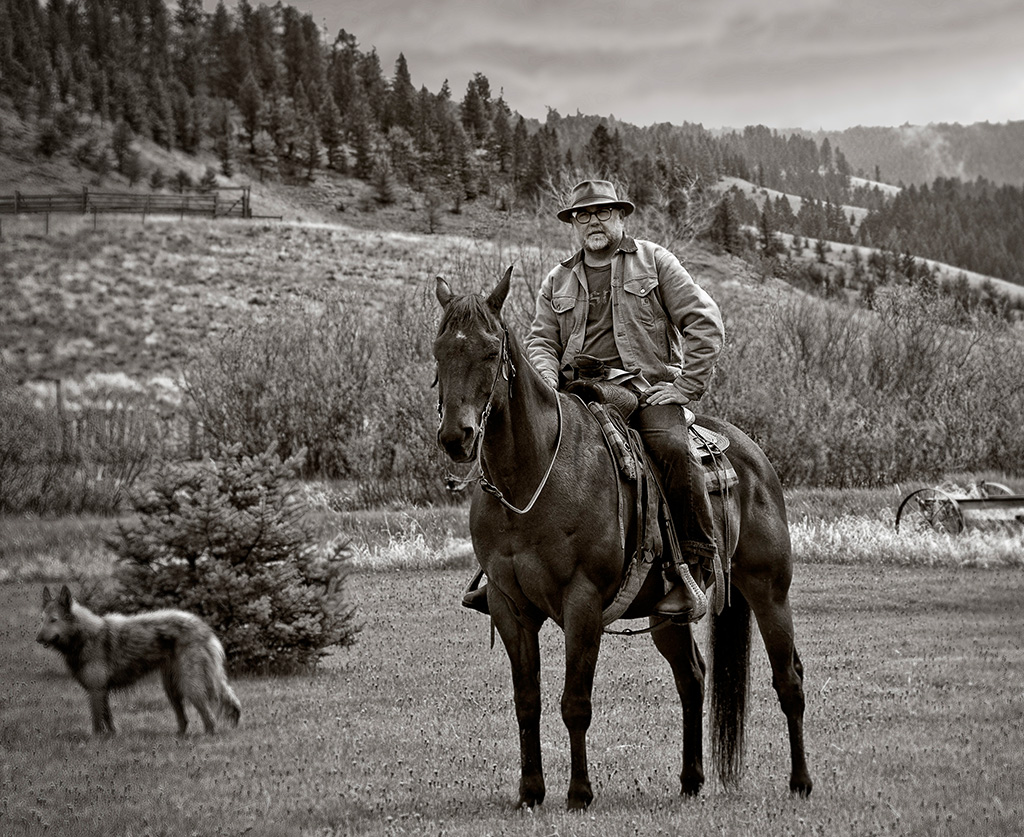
530, 797
579, 801
692, 789
801, 787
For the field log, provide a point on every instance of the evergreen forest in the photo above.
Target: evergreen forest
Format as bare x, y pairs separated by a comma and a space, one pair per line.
275, 96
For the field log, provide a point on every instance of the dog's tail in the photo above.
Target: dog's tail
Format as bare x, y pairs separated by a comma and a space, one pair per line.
221, 693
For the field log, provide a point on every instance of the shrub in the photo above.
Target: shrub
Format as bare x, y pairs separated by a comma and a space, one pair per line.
53, 461
844, 398
208, 182
231, 541
398, 458
182, 181
296, 379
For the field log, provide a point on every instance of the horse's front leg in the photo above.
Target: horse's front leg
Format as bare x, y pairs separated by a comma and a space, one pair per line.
582, 642
523, 648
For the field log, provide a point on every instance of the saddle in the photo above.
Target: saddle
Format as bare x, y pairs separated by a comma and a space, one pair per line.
602, 397
612, 405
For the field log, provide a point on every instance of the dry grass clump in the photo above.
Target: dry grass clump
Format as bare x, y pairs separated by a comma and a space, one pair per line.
873, 540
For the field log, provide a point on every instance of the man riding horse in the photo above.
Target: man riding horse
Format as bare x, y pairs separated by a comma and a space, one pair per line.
627, 312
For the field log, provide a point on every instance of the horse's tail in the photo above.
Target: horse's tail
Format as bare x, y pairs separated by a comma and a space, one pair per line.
730, 677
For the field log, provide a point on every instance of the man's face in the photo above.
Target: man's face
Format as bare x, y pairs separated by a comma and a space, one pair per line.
596, 235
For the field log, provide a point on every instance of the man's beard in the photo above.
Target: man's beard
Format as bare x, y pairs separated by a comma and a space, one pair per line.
597, 242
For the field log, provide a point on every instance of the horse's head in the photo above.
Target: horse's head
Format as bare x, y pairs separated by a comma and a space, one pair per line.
471, 350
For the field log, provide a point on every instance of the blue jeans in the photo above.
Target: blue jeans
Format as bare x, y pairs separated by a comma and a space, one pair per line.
666, 437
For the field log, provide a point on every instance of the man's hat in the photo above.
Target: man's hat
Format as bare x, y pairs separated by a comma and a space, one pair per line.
593, 193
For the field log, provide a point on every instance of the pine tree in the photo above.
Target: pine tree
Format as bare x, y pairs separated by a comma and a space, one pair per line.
520, 150
361, 137
232, 541
769, 244
223, 40
374, 88
501, 135
330, 133
161, 114
250, 105
402, 97
475, 109
121, 139
724, 230
602, 152
223, 133
383, 181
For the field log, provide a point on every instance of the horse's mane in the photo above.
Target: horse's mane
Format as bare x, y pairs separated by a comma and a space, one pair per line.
467, 310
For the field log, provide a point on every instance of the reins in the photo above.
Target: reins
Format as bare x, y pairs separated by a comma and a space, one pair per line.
507, 370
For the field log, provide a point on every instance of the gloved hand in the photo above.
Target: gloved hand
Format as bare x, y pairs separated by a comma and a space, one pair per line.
664, 392
588, 366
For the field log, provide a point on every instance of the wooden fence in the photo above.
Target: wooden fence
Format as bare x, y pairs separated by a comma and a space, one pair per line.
222, 202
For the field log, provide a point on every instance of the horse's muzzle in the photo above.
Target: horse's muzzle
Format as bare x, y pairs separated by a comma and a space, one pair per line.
458, 442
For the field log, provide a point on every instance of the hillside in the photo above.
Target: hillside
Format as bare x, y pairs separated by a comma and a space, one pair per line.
133, 298
136, 298
843, 254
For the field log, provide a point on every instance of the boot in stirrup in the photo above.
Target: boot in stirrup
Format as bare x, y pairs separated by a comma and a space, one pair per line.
685, 602
475, 595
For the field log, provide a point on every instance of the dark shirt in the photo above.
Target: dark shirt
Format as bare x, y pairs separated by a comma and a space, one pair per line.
599, 341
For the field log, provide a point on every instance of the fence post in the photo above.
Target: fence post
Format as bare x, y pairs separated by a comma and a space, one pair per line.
17, 202
85, 199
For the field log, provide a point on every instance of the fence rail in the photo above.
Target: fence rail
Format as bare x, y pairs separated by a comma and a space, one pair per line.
217, 203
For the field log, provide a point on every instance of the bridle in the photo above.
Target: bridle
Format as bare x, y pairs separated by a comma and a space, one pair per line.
507, 370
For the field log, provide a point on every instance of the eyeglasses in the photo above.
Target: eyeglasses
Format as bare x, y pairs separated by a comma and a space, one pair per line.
583, 216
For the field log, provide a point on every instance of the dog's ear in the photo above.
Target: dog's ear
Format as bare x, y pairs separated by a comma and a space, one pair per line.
46, 595
64, 598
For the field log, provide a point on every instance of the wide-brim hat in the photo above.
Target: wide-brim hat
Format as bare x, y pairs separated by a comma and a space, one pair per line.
593, 193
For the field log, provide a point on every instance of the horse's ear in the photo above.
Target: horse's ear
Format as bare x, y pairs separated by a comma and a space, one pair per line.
443, 292
497, 297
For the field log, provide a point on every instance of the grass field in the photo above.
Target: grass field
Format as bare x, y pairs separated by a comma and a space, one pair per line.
915, 725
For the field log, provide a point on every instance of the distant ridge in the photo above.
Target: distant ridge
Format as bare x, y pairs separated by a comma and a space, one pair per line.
917, 154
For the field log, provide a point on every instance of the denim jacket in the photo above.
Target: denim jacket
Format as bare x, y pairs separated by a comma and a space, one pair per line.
665, 325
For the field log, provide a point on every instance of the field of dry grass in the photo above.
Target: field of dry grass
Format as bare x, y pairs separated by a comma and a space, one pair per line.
135, 298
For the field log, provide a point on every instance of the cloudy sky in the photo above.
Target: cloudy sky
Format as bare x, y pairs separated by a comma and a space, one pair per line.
723, 63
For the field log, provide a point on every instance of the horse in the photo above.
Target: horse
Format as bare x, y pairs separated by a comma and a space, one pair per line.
545, 530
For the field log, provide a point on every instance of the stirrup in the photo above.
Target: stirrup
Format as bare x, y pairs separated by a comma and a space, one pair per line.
681, 605
474, 596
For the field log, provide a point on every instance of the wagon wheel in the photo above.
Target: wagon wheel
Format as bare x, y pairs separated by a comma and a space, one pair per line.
930, 508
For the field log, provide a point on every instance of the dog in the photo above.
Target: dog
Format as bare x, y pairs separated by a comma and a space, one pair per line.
114, 651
